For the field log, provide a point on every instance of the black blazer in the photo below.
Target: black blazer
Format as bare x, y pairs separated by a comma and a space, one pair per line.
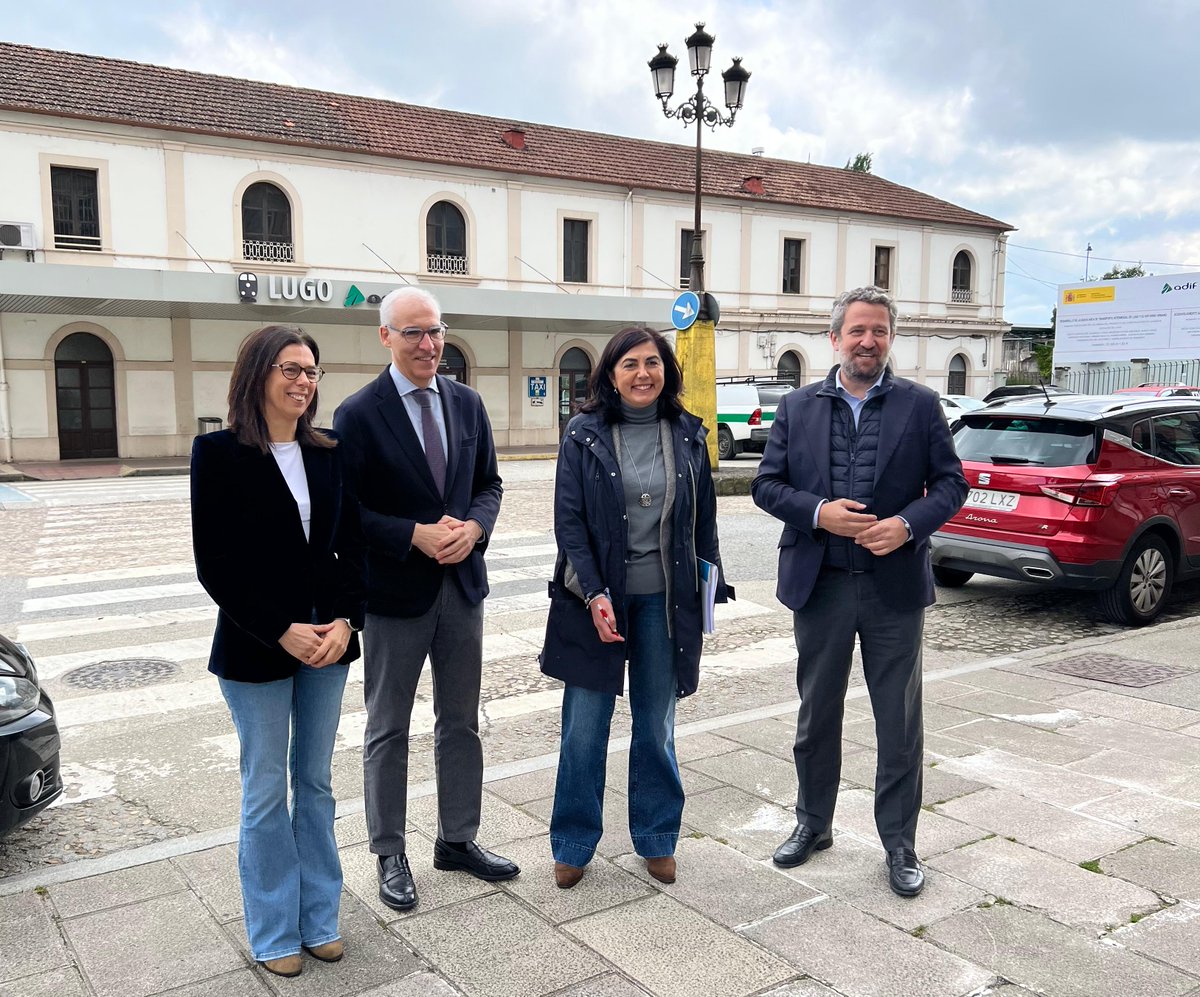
917, 476
253, 560
387, 471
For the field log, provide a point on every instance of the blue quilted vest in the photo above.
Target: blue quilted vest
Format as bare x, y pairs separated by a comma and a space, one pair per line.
852, 466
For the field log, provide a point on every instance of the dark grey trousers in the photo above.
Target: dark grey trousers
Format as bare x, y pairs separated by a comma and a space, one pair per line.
841, 607
394, 652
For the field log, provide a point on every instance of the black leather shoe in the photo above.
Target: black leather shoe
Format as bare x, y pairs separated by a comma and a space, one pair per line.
799, 847
396, 887
905, 875
479, 862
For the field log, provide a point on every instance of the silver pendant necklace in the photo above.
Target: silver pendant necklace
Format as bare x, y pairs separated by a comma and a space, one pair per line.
643, 499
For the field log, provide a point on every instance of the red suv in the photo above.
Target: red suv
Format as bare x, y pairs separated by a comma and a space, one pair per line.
1094, 492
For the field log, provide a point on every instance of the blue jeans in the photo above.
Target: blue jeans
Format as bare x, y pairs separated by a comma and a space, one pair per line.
288, 862
655, 789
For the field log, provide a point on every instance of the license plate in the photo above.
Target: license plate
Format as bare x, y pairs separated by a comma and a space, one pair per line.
985, 498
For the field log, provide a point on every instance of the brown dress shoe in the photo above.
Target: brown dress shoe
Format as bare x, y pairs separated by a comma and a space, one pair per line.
662, 868
289, 965
329, 952
567, 876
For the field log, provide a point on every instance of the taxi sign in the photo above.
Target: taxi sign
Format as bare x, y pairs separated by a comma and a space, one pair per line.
685, 310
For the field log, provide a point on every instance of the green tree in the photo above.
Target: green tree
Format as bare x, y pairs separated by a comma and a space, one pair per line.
860, 163
1116, 273
1044, 352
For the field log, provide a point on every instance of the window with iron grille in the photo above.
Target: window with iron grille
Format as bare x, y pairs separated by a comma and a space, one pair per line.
685, 255
960, 279
883, 267
575, 250
792, 249
75, 196
267, 224
446, 239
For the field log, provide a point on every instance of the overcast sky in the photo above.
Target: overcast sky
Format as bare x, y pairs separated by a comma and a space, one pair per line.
1074, 122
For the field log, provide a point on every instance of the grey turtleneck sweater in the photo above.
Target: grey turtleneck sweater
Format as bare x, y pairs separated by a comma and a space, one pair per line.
641, 451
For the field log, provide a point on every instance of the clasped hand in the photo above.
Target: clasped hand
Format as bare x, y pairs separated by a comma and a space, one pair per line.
843, 518
317, 644
447, 541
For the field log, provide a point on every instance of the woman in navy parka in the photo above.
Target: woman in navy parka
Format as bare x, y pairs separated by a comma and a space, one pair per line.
634, 507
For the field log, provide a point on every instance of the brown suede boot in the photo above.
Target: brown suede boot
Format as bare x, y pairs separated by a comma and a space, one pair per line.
289, 965
329, 952
567, 876
662, 868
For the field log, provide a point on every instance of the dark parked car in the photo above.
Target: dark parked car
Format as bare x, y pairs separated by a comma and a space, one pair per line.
1020, 390
1093, 492
29, 742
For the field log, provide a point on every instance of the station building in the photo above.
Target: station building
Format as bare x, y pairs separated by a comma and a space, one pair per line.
151, 217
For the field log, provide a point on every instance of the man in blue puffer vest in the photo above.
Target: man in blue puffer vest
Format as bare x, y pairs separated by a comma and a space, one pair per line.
861, 470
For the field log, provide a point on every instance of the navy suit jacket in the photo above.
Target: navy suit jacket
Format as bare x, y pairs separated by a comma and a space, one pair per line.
387, 471
917, 476
253, 560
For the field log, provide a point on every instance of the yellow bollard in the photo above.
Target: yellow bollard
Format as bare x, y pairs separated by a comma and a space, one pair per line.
696, 348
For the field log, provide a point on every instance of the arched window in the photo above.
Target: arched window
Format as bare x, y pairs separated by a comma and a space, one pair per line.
960, 279
267, 224
790, 368
85, 398
446, 239
454, 364
956, 382
574, 369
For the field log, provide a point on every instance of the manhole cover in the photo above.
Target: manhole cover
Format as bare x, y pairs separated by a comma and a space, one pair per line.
1116, 670
128, 673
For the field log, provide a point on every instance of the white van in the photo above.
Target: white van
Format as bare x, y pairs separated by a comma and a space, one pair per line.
745, 411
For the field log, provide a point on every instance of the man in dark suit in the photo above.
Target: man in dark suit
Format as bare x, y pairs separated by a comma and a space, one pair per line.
422, 464
861, 470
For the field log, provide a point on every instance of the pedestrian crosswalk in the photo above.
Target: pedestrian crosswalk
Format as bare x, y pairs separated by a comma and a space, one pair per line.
96, 491
110, 580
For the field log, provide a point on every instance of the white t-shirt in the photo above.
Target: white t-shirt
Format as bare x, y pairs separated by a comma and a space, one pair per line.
291, 464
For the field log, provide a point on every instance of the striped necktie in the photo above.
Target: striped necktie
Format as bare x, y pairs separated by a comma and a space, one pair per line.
434, 452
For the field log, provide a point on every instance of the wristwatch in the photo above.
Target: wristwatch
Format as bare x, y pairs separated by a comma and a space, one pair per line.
353, 628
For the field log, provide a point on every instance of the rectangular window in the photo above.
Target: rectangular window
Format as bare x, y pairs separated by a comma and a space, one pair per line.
685, 255
883, 267
575, 250
792, 248
75, 198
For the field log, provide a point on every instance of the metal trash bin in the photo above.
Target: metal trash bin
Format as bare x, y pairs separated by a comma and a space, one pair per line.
208, 424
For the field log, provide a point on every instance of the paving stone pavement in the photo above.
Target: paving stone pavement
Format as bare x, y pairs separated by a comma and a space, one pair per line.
1061, 834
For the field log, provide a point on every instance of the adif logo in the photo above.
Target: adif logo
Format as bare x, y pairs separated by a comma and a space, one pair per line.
1168, 287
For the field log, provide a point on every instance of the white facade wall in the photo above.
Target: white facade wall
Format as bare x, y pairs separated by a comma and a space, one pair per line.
172, 202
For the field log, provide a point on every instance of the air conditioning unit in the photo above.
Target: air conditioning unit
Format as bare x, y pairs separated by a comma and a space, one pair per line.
16, 235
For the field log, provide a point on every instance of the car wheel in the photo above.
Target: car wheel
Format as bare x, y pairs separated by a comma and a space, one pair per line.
1143, 585
951, 578
727, 447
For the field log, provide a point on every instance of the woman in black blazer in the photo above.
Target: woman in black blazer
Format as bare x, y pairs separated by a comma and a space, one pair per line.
277, 548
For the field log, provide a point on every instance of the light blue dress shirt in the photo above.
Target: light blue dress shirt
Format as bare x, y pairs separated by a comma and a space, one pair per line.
406, 388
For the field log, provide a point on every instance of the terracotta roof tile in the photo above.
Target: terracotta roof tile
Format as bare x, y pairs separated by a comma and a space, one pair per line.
43, 81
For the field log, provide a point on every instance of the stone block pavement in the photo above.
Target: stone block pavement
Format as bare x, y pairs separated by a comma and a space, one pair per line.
1061, 836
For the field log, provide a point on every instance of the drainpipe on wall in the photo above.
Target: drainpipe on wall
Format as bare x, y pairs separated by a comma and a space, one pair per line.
6, 452
625, 244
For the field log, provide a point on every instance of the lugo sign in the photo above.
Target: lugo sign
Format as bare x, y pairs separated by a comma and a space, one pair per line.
299, 288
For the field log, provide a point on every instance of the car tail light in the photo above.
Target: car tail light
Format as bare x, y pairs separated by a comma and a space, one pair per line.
1084, 493
755, 418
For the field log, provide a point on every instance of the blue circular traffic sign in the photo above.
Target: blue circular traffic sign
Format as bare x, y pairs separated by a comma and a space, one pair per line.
684, 310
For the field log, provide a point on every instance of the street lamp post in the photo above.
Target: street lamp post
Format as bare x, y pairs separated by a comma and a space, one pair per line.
695, 346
